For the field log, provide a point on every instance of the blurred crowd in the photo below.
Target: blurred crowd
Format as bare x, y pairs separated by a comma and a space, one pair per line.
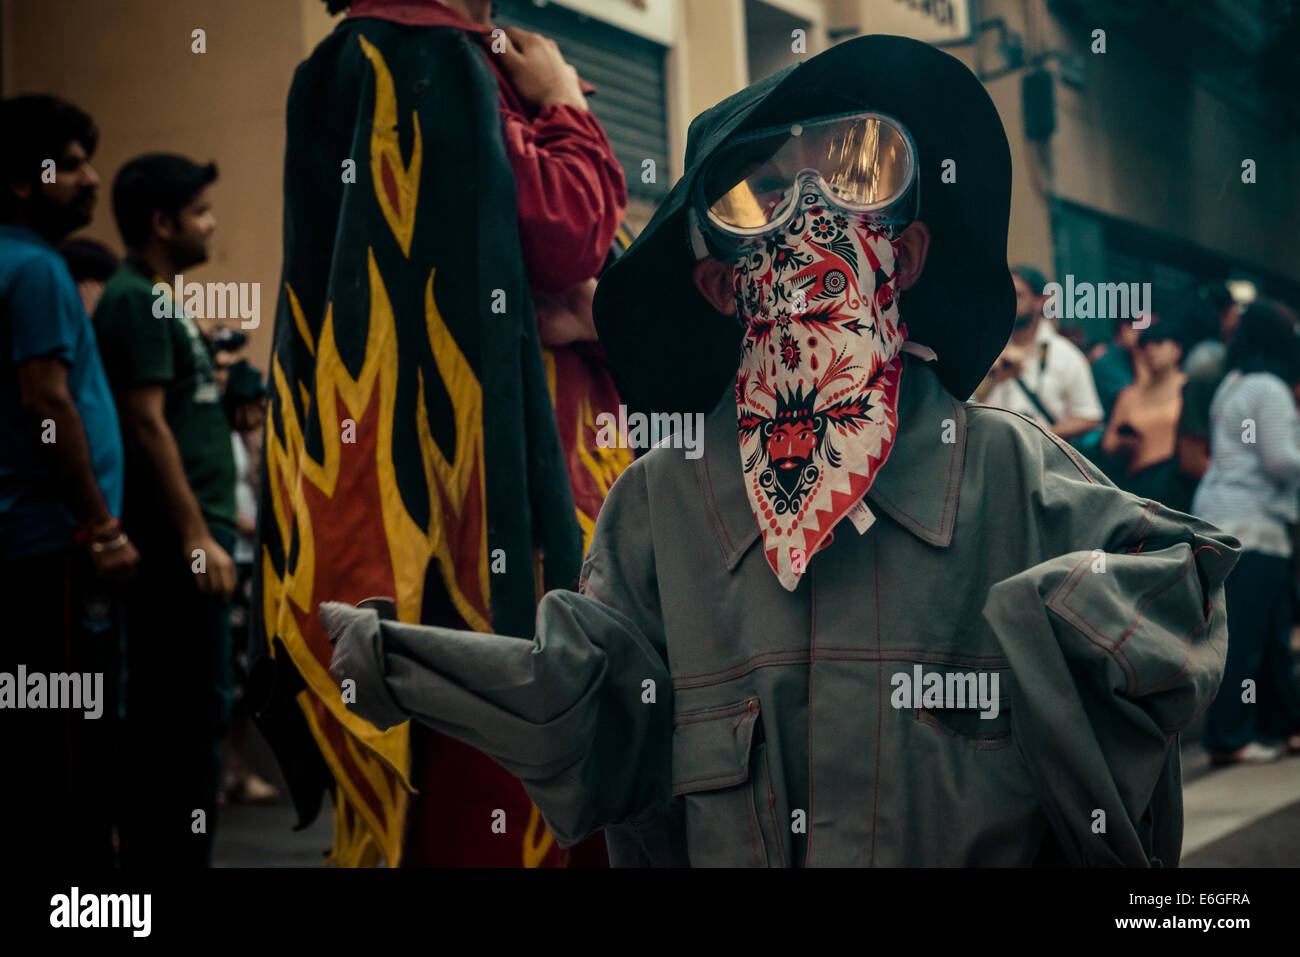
130, 452
1194, 406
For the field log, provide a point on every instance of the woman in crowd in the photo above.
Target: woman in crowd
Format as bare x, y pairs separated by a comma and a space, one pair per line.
1116, 364
1143, 425
1250, 491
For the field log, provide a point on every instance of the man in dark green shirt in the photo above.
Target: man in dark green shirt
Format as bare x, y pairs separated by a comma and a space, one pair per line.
180, 508
170, 354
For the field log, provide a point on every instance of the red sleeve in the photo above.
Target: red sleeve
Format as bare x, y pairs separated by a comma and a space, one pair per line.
571, 194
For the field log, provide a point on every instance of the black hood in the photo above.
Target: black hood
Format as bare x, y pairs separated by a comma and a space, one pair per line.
670, 350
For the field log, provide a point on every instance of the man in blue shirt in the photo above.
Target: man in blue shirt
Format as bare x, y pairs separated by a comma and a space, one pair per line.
61, 547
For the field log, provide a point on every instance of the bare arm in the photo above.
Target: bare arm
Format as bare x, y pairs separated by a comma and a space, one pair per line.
1193, 455
1076, 425
1111, 441
145, 426
43, 392
1083, 402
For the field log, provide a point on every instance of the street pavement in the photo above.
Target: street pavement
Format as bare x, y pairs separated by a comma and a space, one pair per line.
1233, 817
1244, 816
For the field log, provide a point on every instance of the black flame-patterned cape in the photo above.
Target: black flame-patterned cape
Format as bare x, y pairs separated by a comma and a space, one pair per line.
411, 446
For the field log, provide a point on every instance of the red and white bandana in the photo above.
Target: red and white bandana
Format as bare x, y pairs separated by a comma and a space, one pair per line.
817, 389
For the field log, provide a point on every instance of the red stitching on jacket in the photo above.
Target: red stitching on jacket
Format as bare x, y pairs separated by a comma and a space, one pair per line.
755, 657
756, 832
713, 497
723, 777
954, 656
1143, 607
924, 716
1077, 581
726, 709
1116, 650
1065, 447
713, 501
880, 678
943, 524
888, 654
872, 656
1090, 631
1144, 522
714, 520
801, 657
771, 811
593, 593
957, 413
1186, 637
741, 669
812, 649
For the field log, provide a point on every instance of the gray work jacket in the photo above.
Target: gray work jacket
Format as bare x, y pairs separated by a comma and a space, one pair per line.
702, 714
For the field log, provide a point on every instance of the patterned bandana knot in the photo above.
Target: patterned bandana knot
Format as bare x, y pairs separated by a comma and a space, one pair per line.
817, 388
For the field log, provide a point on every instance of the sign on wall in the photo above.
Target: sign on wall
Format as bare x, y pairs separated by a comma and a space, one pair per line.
934, 21
652, 19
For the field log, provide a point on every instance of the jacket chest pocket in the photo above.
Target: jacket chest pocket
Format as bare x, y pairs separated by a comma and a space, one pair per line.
975, 728
720, 771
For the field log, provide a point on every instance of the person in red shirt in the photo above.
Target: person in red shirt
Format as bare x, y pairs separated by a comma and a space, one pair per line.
570, 190
508, 412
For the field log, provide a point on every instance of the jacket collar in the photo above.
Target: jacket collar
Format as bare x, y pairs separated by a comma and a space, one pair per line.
917, 486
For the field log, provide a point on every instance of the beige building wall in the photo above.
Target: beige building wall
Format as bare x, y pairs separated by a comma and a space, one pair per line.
713, 54
706, 62
1158, 148
1144, 144
1139, 142
129, 64
1029, 238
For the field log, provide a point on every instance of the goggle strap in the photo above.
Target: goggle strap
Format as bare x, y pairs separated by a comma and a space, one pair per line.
699, 247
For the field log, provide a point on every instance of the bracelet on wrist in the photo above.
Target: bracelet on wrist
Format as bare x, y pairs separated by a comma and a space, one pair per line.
109, 546
105, 531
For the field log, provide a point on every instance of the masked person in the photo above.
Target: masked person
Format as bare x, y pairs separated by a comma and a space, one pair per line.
872, 624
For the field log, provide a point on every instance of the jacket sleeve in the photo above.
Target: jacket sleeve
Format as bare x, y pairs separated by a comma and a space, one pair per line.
571, 193
1117, 643
581, 714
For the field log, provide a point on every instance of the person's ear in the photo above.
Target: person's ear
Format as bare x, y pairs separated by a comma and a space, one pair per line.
913, 246
162, 225
713, 280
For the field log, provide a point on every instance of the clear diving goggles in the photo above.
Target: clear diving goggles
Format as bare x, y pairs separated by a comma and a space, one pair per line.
865, 165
